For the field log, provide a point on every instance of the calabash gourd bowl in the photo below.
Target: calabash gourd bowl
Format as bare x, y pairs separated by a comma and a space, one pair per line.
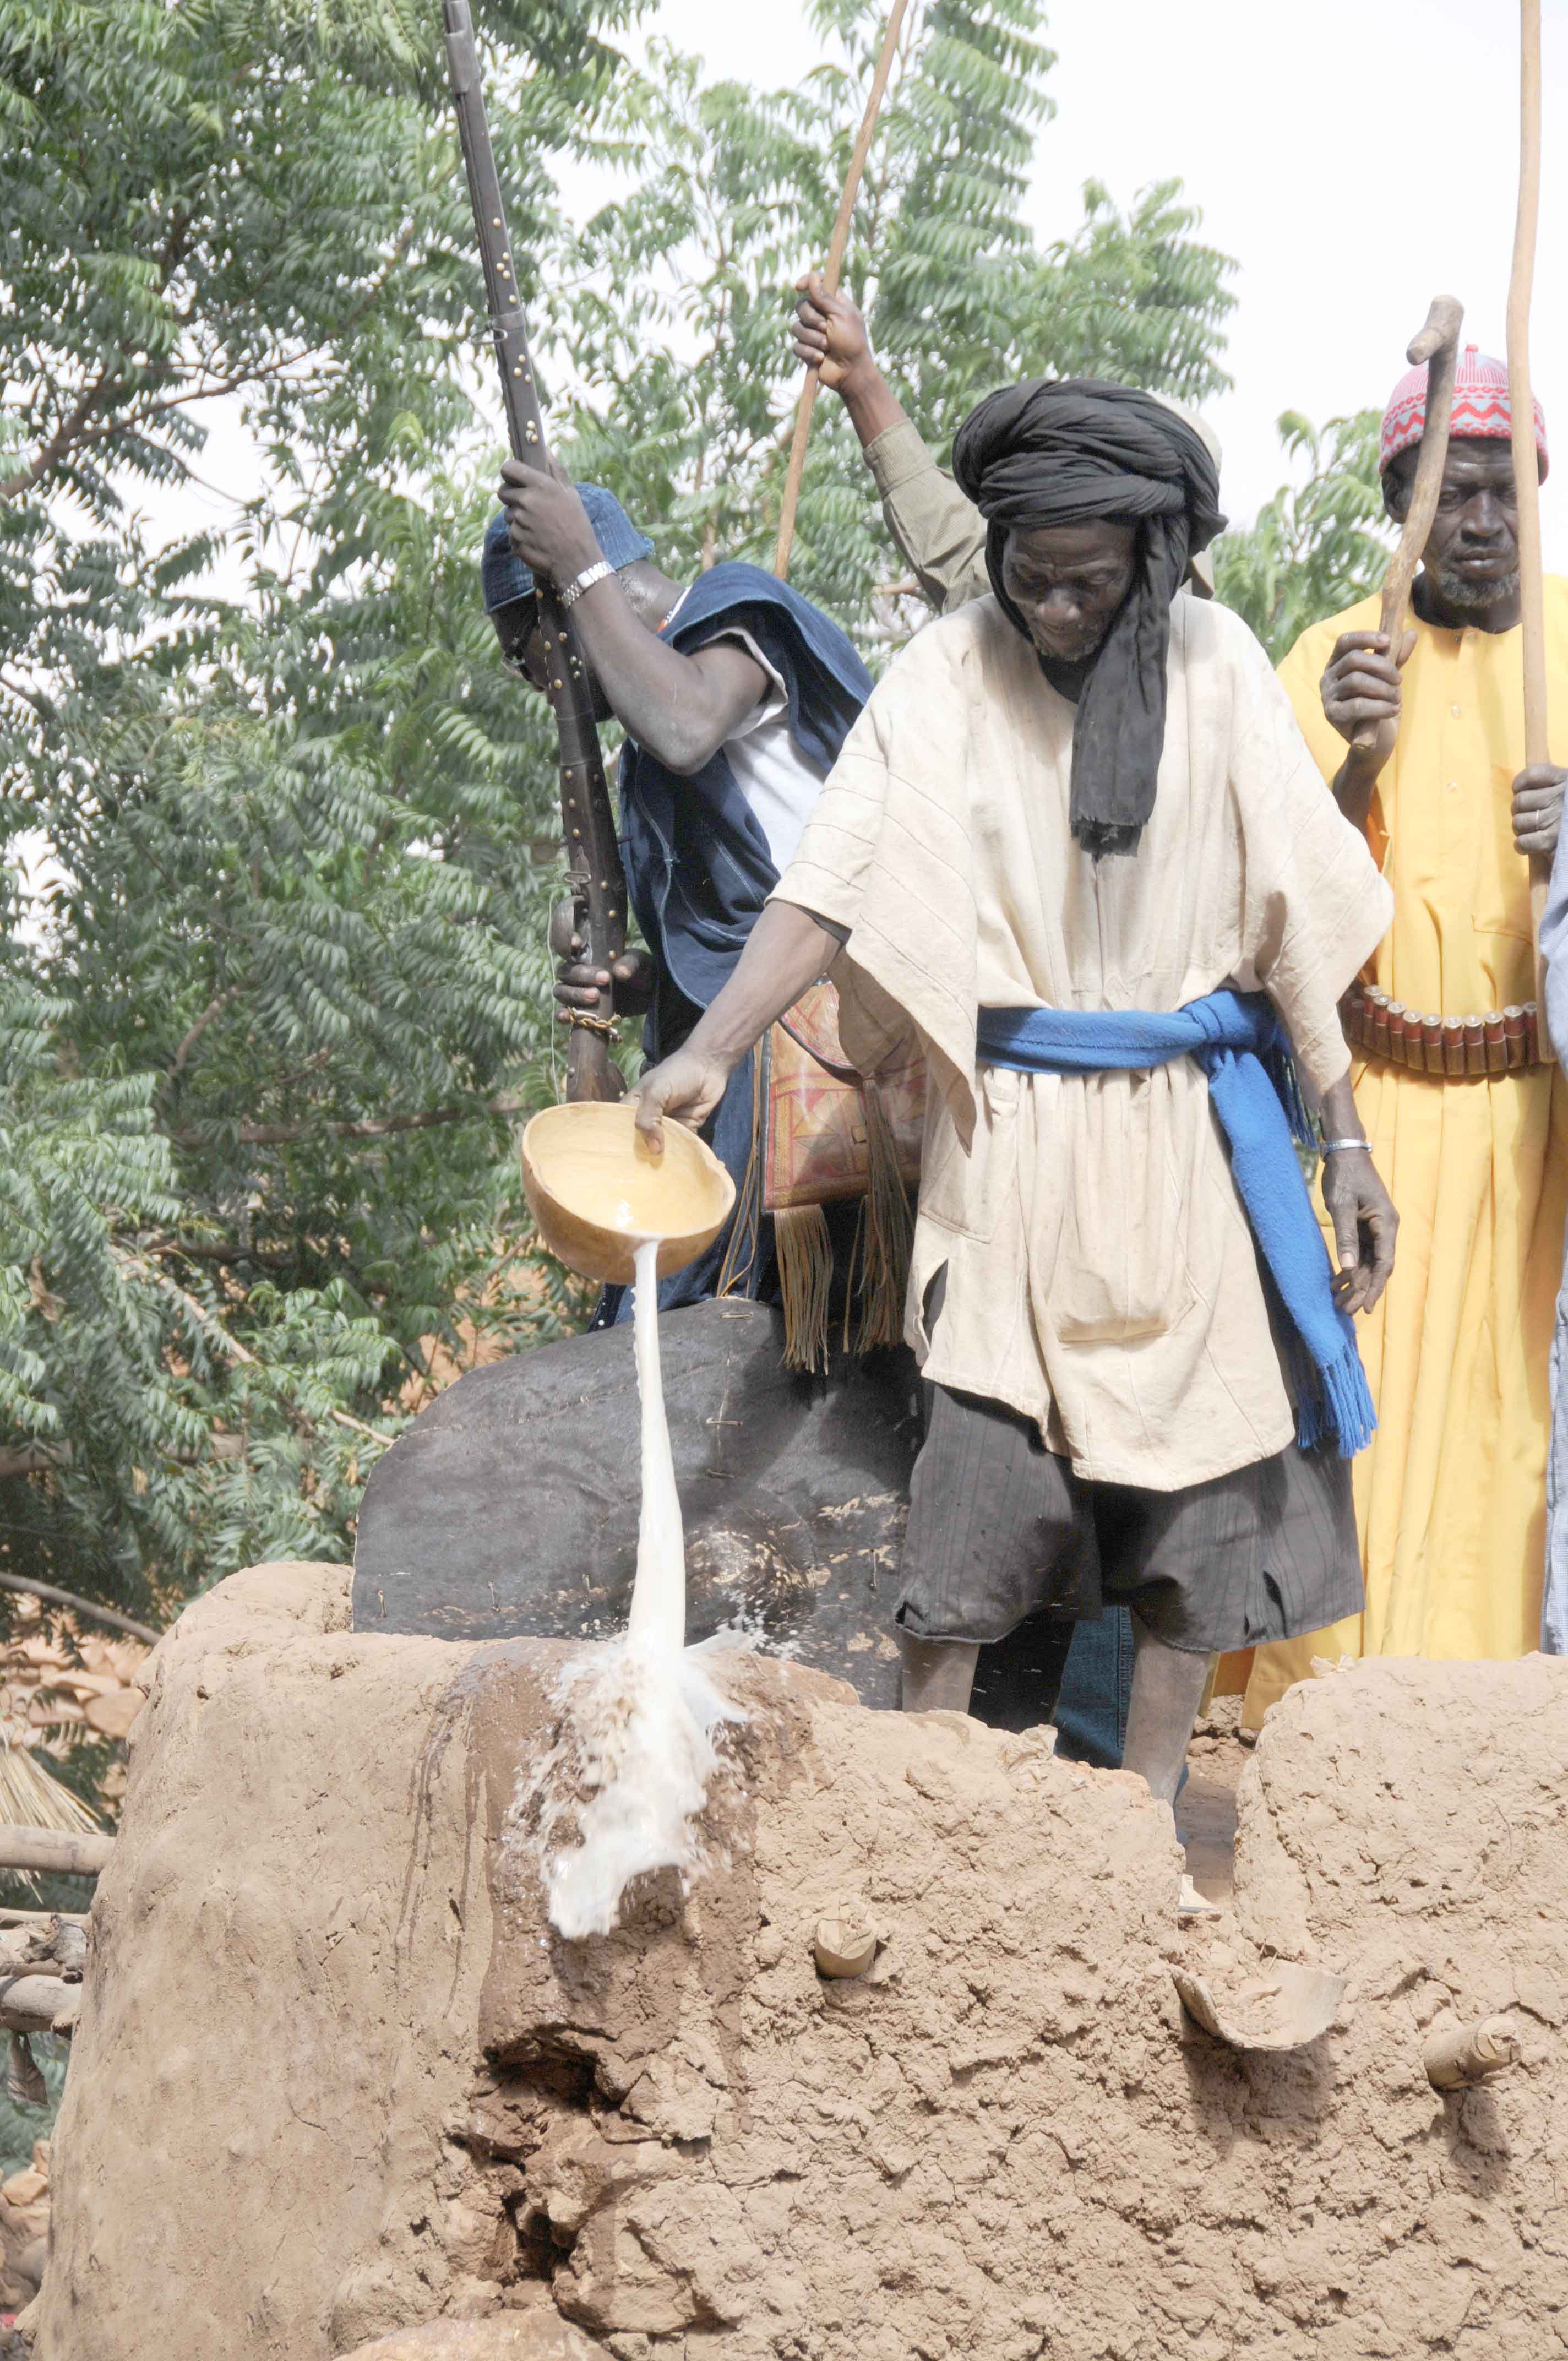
595, 1188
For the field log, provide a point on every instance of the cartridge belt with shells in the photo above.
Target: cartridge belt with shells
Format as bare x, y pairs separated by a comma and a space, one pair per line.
1450, 1048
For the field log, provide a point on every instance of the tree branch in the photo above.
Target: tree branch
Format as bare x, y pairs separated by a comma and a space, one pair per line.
228, 1254
81, 1606
67, 436
211, 1325
32, 1458
70, 437
213, 1009
38, 2005
281, 1135
40, 1458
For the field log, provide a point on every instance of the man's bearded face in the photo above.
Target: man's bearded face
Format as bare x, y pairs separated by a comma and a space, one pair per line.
1473, 550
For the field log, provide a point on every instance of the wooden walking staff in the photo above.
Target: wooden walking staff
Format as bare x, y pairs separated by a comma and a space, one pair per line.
1438, 346
1526, 479
835, 264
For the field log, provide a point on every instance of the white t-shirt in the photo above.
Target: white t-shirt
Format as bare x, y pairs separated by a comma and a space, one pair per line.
769, 770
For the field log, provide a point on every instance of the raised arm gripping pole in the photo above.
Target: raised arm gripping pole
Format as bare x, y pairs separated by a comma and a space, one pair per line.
836, 251
1438, 345
1526, 480
587, 819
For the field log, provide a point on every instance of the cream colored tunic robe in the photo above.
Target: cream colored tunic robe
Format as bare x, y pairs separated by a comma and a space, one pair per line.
1102, 1278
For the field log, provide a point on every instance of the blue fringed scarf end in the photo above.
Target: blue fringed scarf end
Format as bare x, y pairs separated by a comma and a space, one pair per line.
1333, 1404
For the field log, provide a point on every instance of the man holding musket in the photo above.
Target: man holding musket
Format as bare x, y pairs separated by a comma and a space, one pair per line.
735, 694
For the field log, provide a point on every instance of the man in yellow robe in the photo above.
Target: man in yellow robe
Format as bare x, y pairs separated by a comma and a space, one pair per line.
1450, 1498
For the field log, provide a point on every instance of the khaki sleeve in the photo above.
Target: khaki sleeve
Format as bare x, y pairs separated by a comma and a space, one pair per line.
938, 531
886, 859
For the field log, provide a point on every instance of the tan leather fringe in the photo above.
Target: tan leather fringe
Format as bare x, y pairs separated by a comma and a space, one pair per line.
804, 1249
888, 1231
735, 1276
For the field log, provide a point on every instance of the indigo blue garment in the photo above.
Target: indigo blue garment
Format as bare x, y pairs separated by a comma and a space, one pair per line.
698, 871
698, 868
1091, 1711
1238, 1041
697, 863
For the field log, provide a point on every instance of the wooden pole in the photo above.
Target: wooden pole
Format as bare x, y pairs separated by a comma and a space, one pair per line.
49, 1848
1438, 346
835, 264
1527, 488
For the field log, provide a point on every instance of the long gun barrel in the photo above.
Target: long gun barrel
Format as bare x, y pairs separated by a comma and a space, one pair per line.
599, 885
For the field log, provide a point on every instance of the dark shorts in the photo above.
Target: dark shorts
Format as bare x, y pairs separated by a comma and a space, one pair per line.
1000, 1527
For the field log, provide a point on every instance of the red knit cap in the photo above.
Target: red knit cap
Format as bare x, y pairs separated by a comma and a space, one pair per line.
1481, 407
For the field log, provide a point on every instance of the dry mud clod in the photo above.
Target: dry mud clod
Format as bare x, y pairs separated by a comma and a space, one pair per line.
1285, 2007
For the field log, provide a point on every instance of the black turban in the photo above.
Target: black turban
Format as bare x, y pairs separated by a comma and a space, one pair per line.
1063, 452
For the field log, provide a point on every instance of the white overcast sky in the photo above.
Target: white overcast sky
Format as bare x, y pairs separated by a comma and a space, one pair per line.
1356, 160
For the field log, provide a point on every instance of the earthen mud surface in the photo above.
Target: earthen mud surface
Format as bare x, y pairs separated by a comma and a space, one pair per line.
337, 2080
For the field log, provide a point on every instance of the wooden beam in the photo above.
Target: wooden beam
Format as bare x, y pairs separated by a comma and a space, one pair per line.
52, 1850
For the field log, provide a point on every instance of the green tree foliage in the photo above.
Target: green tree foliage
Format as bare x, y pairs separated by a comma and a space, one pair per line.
254, 1078
260, 1052
1318, 546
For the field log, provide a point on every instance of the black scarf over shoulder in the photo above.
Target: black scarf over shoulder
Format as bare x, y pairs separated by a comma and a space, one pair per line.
1065, 451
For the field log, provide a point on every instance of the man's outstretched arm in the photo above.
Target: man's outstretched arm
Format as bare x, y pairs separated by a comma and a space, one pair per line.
938, 532
787, 950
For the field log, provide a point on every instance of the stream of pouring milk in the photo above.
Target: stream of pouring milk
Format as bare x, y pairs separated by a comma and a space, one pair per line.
641, 1710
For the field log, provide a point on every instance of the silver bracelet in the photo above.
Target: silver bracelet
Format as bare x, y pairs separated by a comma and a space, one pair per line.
584, 581
1346, 1147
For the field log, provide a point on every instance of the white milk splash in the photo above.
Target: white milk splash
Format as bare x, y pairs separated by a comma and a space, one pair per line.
642, 1712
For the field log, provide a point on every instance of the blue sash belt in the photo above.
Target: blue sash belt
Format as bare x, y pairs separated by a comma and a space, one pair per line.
1243, 1050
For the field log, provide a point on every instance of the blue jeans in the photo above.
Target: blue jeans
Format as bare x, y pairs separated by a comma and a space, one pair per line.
1096, 1687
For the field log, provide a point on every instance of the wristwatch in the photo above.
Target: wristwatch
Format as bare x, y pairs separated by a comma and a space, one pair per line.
584, 581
